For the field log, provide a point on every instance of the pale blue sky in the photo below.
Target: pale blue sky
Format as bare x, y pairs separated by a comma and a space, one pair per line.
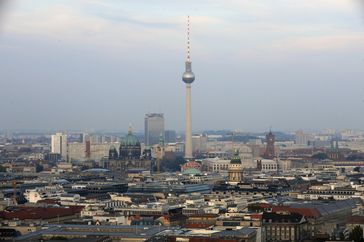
98, 64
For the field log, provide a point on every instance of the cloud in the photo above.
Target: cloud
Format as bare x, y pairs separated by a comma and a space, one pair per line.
142, 44
333, 43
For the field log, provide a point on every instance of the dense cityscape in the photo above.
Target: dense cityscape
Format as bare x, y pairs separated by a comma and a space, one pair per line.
270, 186
166, 184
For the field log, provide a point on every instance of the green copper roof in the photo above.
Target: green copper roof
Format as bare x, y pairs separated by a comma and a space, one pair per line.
236, 158
191, 171
130, 139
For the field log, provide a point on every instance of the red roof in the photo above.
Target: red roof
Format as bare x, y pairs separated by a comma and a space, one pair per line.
356, 220
39, 212
256, 216
307, 212
265, 205
191, 164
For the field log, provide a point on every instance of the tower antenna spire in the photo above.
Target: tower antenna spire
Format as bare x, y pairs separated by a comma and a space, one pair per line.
188, 77
188, 39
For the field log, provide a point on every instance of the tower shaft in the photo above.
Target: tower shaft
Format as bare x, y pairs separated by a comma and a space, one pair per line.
188, 142
188, 77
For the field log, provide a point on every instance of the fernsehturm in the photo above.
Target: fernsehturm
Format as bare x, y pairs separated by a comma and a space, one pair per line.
188, 77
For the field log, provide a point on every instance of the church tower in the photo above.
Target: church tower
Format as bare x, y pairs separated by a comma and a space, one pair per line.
235, 169
269, 150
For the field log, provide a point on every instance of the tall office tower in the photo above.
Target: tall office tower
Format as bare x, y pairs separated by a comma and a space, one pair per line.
269, 150
170, 136
59, 144
188, 77
153, 128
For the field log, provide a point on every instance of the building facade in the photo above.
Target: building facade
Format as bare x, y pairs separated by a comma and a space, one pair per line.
153, 128
284, 226
269, 150
170, 136
59, 144
235, 169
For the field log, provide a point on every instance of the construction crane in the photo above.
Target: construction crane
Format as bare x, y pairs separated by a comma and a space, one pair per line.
159, 154
14, 192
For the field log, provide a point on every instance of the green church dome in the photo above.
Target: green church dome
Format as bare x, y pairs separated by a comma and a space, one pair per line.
130, 139
236, 158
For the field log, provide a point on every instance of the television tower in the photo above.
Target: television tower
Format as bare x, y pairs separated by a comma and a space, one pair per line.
188, 77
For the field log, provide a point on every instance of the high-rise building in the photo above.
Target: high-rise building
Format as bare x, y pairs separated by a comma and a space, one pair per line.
188, 77
59, 144
154, 128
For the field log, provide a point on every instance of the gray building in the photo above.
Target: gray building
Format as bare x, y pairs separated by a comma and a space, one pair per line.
170, 136
154, 128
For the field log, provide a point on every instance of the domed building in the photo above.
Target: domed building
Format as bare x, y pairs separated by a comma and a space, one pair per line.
130, 148
235, 169
129, 156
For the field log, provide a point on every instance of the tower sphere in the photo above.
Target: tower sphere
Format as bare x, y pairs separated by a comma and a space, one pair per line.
188, 77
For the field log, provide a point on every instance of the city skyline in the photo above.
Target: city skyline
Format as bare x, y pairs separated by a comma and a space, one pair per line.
160, 121
259, 65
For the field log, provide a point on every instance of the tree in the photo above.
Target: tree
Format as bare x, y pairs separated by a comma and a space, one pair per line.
356, 234
320, 156
173, 165
2, 169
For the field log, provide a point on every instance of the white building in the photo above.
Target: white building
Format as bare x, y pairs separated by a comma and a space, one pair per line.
77, 151
47, 192
199, 143
302, 138
284, 165
217, 165
174, 147
59, 144
269, 165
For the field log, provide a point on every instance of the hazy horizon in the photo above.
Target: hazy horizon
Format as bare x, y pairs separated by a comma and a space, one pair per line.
94, 64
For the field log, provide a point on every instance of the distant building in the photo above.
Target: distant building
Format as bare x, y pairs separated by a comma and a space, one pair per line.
302, 138
170, 136
153, 128
235, 169
129, 156
130, 148
96, 139
87, 151
217, 165
266, 165
334, 152
199, 144
269, 150
59, 144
